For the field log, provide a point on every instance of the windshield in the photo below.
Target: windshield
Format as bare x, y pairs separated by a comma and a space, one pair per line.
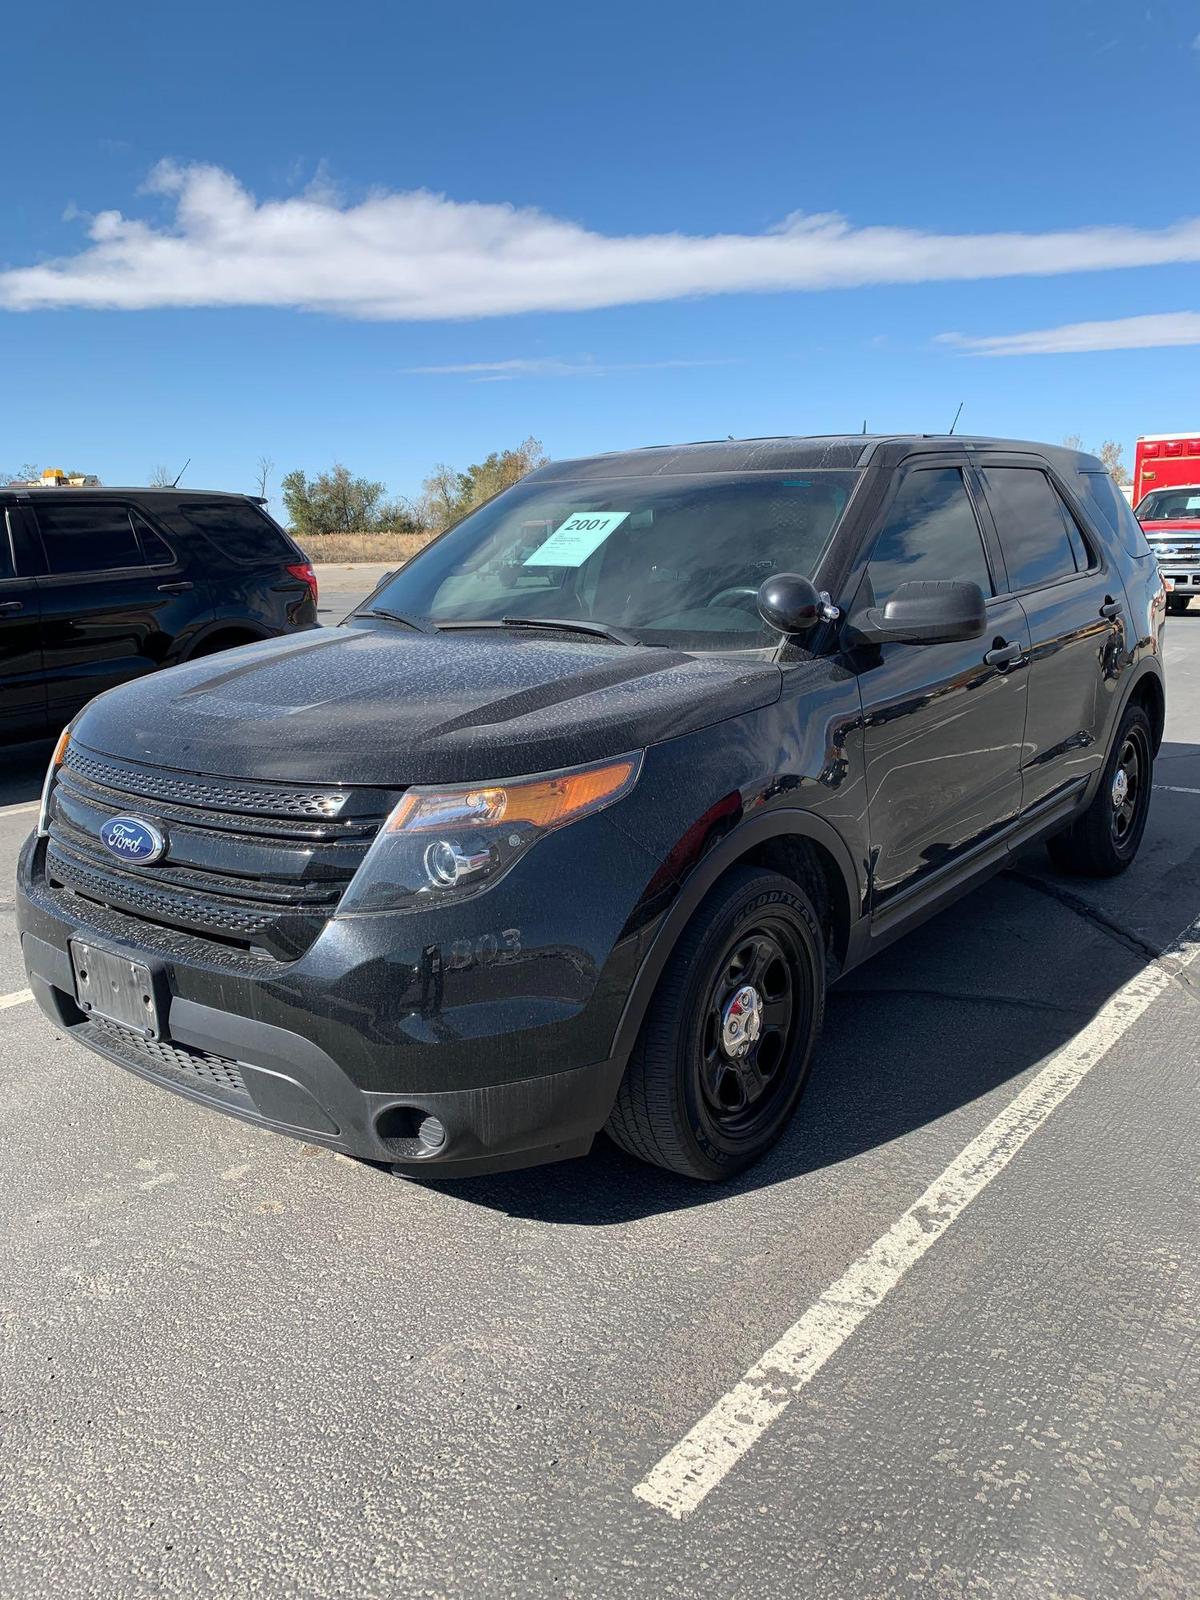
672, 560
1170, 505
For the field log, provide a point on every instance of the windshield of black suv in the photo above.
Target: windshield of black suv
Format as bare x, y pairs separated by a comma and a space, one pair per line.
673, 561
1170, 505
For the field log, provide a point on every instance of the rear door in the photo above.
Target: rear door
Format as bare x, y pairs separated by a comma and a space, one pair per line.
251, 565
943, 724
22, 686
1078, 621
113, 599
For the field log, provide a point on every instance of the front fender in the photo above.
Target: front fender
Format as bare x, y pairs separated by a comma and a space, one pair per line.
781, 822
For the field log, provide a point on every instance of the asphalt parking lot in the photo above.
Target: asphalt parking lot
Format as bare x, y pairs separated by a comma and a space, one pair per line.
233, 1364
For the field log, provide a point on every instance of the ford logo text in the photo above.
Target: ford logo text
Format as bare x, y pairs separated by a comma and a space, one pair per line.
131, 839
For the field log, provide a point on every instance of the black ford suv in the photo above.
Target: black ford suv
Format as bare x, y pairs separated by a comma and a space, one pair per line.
98, 586
571, 824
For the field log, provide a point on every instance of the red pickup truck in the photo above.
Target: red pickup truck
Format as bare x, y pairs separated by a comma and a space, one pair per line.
1166, 501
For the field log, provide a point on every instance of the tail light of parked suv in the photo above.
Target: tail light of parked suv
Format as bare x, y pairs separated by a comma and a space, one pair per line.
304, 571
448, 842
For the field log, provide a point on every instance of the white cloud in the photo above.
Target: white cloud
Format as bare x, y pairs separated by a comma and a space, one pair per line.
552, 367
1123, 333
418, 256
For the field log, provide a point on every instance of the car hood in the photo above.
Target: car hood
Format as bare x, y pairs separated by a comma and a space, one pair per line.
367, 703
1182, 525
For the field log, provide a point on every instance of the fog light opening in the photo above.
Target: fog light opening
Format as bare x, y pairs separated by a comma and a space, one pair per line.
409, 1133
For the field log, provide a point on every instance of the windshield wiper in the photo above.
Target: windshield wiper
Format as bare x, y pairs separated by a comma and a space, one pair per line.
395, 616
602, 630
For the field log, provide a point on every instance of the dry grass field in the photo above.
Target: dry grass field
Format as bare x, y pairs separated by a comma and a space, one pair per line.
389, 548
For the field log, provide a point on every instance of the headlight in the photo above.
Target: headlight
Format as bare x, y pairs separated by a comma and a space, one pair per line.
442, 844
56, 761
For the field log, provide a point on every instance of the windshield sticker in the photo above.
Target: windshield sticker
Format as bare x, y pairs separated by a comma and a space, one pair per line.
574, 540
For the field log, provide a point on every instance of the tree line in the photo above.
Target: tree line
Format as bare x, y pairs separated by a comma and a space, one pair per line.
1110, 453
337, 501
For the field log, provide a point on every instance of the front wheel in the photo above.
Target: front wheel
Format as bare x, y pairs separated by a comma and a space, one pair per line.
726, 1045
1177, 604
1104, 840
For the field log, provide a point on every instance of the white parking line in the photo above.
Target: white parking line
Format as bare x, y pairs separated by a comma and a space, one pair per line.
25, 808
1173, 788
696, 1465
17, 998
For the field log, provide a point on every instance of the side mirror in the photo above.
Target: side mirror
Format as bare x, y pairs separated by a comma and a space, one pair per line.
924, 613
792, 603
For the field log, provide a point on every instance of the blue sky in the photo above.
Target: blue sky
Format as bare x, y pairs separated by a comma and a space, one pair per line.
236, 230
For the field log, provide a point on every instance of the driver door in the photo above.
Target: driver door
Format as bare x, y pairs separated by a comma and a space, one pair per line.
943, 723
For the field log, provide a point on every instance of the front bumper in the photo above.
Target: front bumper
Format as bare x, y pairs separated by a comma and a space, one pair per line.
283, 1054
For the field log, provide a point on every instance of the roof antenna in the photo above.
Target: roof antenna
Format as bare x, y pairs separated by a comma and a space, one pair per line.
864, 424
186, 465
957, 414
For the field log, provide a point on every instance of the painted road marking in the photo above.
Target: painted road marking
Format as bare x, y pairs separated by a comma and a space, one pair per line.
1173, 788
18, 998
696, 1465
25, 808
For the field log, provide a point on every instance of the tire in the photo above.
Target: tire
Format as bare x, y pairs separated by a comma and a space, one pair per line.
1105, 839
685, 1103
1177, 604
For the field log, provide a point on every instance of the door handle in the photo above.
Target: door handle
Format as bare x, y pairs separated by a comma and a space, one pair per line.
175, 588
7, 607
1111, 609
1005, 655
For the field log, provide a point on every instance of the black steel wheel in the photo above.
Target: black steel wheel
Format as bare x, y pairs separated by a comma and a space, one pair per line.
726, 1046
1105, 839
749, 1026
1128, 786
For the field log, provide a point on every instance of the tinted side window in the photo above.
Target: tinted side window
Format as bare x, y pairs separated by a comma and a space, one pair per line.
7, 570
1113, 511
1079, 547
1031, 524
929, 532
87, 538
154, 550
240, 530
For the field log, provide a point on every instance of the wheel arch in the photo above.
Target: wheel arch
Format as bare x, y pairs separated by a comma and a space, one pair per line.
796, 843
1147, 691
225, 636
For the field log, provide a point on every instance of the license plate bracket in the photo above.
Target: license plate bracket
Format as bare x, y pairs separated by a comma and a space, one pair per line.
110, 985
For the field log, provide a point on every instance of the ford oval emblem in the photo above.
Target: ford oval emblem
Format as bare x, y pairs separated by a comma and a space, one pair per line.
131, 839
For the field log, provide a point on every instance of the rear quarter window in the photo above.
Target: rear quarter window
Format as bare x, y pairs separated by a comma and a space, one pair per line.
239, 530
1112, 511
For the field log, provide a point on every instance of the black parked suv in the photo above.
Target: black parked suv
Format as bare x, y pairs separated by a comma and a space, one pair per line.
571, 824
98, 586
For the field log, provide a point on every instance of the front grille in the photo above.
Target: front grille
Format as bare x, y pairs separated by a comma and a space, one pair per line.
213, 1074
258, 866
185, 910
279, 800
1184, 552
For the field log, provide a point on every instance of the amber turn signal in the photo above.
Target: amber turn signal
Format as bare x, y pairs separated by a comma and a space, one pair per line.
542, 803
